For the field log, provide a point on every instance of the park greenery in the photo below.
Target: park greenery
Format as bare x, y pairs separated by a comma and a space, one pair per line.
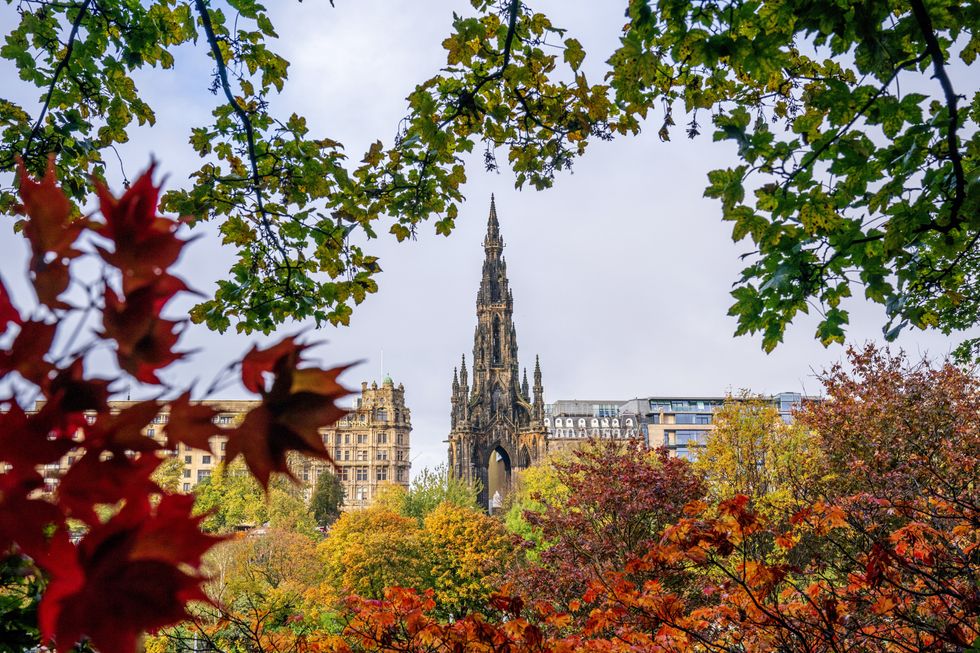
856, 142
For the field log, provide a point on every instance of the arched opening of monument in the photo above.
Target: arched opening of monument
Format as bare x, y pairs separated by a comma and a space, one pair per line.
498, 478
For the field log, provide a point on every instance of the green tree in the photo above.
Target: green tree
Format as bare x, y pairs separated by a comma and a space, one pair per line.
841, 176
169, 474
328, 496
433, 487
235, 499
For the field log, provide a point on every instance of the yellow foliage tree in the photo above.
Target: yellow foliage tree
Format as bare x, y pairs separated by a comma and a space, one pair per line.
468, 551
752, 451
369, 550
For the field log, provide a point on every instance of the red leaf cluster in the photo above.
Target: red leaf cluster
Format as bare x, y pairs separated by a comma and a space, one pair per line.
138, 569
297, 403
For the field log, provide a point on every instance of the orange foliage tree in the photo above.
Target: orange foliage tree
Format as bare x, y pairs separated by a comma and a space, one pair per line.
888, 559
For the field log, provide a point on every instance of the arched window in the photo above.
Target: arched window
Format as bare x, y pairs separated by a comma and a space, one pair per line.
496, 340
547, 421
605, 423
595, 422
615, 423
581, 422
568, 421
629, 422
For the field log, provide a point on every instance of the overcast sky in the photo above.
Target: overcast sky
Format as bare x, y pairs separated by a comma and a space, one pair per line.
620, 272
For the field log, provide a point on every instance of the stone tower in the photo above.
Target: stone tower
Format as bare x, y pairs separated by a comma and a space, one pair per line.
497, 426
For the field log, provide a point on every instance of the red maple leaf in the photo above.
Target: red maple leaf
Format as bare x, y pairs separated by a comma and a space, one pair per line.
73, 393
123, 431
104, 480
27, 352
136, 572
145, 341
145, 244
52, 231
8, 312
299, 403
192, 424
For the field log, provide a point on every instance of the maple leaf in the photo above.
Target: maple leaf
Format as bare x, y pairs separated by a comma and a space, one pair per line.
24, 521
192, 424
123, 431
73, 393
26, 440
95, 479
145, 341
27, 352
299, 403
8, 312
145, 244
135, 572
52, 232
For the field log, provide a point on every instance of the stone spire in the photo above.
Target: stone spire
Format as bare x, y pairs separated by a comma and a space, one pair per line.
538, 390
525, 392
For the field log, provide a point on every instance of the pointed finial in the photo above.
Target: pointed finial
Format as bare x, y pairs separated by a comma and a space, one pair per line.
493, 227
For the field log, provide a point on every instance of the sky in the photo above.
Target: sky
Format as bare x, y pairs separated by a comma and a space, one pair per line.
621, 272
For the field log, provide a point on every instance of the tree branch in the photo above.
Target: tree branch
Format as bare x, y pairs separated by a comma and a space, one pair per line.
939, 72
72, 36
246, 125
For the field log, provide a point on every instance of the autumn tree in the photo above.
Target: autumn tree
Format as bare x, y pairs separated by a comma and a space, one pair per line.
535, 488
752, 451
369, 550
620, 496
327, 498
468, 553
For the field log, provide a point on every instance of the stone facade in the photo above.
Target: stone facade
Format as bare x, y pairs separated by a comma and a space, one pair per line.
370, 445
497, 424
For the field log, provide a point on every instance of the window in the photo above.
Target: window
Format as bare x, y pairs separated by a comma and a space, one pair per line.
401, 438
346, 454
360, 493
344, 474
400, 474
399, 455
362, 438
337, 454
381, 415
382, 438
381, 473
693, 418
150, 432
187, 487
361, 474
337, 438
187, 460
203, 474
362, 455
206, 460
382, 454
187, 473
581, 422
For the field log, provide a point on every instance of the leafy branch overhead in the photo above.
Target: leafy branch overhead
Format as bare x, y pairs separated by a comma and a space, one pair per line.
844, 178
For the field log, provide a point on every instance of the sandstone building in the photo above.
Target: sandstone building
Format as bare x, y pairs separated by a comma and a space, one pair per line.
370, 445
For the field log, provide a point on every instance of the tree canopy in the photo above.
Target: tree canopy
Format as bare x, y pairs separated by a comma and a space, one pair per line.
856, 157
